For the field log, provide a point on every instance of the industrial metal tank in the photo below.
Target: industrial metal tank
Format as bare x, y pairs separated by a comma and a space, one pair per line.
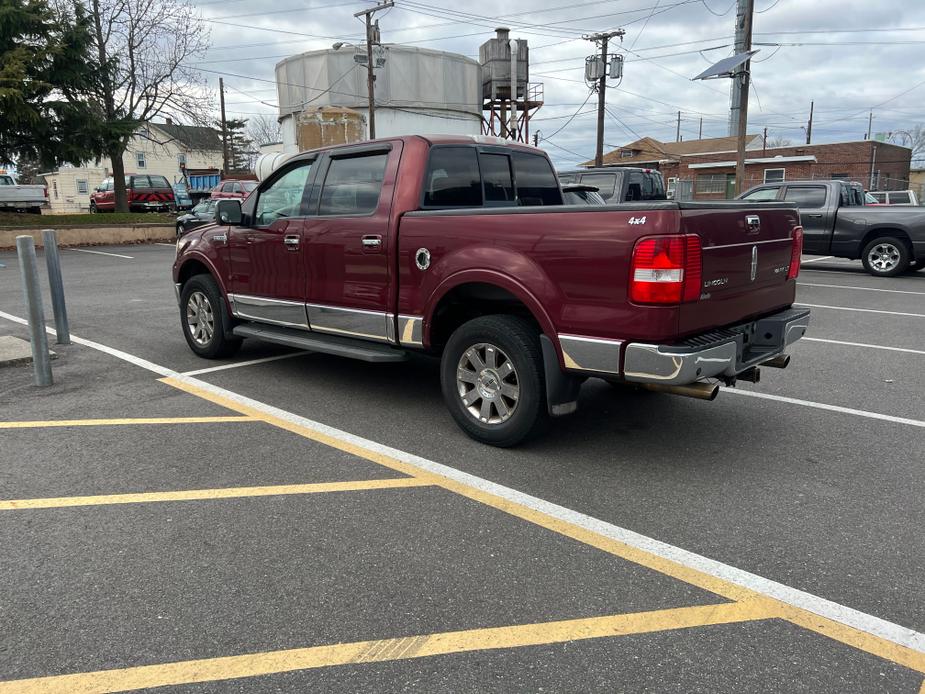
418, 91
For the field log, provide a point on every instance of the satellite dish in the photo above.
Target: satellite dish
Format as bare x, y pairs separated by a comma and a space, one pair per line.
725, 67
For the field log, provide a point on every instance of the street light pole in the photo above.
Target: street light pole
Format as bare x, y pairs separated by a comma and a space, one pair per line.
370, 75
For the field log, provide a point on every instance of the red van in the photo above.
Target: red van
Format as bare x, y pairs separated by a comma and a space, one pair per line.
145, 194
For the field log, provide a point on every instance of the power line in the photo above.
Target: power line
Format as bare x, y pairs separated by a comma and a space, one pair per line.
574, 115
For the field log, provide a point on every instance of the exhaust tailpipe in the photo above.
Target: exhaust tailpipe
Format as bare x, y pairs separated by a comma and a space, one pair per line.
781, 361
699, 390
752, 375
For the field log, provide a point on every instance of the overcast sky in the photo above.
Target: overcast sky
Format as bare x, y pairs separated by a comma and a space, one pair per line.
849, 56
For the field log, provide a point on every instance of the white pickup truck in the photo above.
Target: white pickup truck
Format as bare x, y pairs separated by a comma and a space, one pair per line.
21, 198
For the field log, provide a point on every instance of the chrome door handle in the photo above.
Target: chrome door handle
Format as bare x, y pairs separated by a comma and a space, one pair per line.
372, 242
817, 215
292, 242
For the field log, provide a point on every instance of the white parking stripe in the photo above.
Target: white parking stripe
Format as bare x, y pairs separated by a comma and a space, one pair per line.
824, 406
855, 619
849, 271
169, 245
863, 310
114, 255
863, 344
863, 289
816, 260
235, 365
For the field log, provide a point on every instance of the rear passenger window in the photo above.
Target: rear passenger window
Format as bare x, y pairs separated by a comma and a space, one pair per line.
496, 177
805, 196
453, 178
762, 195
605, 183
140, 182
899, 199
536, 181
353, 184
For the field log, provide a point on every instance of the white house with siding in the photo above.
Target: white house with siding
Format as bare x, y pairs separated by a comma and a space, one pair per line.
157, 148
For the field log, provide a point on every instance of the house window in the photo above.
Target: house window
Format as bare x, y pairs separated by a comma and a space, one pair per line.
54, 188
626, 153
710, 183
773, 175
181, 159
82, 187
140, 160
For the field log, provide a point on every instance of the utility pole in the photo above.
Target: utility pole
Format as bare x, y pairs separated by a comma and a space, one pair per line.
370, 75
740, 82
221, 95
809, 126
677, 135
602, 39
700, 132
764, 146
870, 123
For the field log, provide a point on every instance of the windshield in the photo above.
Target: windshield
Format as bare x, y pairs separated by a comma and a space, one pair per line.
870, 199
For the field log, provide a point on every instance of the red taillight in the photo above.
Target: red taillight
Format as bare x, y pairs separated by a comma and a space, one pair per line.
795, 252
665, 270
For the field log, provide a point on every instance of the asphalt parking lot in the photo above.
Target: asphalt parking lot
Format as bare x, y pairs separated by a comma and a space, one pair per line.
299, 522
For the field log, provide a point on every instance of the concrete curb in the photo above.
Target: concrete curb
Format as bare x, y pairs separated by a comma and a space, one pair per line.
113, 234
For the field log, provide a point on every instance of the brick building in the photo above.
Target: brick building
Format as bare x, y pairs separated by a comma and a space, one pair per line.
705, 169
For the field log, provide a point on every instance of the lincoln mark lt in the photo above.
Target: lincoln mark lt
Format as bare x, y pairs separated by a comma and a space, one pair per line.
462, 248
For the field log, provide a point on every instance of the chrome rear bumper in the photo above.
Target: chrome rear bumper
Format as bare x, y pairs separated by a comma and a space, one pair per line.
724, 352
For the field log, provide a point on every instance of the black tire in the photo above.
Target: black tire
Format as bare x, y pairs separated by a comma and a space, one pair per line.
179, 230
919, 265
514, 340
896, 257
93, 208
198, 292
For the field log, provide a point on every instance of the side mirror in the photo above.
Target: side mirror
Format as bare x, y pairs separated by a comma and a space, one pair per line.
228, 212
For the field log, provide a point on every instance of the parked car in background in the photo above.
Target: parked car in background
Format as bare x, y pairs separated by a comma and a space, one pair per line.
201, 182
145, 194
620, 183
202, 213
895, 197
21, 198
463, 249
579, 194
887, 239
233, 189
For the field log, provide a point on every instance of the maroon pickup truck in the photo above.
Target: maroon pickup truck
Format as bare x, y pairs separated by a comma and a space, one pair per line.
462, 248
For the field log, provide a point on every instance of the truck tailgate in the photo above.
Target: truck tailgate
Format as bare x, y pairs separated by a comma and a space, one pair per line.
746, 256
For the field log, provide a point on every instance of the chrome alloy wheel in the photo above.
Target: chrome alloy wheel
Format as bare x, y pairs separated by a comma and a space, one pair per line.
884, 257
487, 383
200, 319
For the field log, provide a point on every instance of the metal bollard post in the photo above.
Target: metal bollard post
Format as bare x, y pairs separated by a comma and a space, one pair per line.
56, 284
41, 363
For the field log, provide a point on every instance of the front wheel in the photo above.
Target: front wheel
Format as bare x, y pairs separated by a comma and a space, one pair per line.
492, 378
204, 320
93, 207
886, 257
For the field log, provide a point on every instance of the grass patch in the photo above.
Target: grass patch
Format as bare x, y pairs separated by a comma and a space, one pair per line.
50, 221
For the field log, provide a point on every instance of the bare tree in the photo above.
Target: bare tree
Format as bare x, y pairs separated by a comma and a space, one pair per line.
779, 142
143, 49
914, 139
263, 129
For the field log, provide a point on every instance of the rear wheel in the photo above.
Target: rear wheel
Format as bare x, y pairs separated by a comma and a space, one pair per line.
204, 320
886, 257
492, 379
919, 265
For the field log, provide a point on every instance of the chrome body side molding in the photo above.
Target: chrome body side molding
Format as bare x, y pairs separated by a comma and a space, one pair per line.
411, 331
352, 322
590, 354
275, 311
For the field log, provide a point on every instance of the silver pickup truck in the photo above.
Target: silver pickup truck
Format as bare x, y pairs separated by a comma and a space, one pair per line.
21, 198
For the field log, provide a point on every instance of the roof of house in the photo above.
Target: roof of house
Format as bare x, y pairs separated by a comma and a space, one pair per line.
651, 150
195, 137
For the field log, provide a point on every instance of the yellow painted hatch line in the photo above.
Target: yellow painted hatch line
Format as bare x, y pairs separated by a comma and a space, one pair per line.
119, 422
221, 493
848, 635
402, 648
